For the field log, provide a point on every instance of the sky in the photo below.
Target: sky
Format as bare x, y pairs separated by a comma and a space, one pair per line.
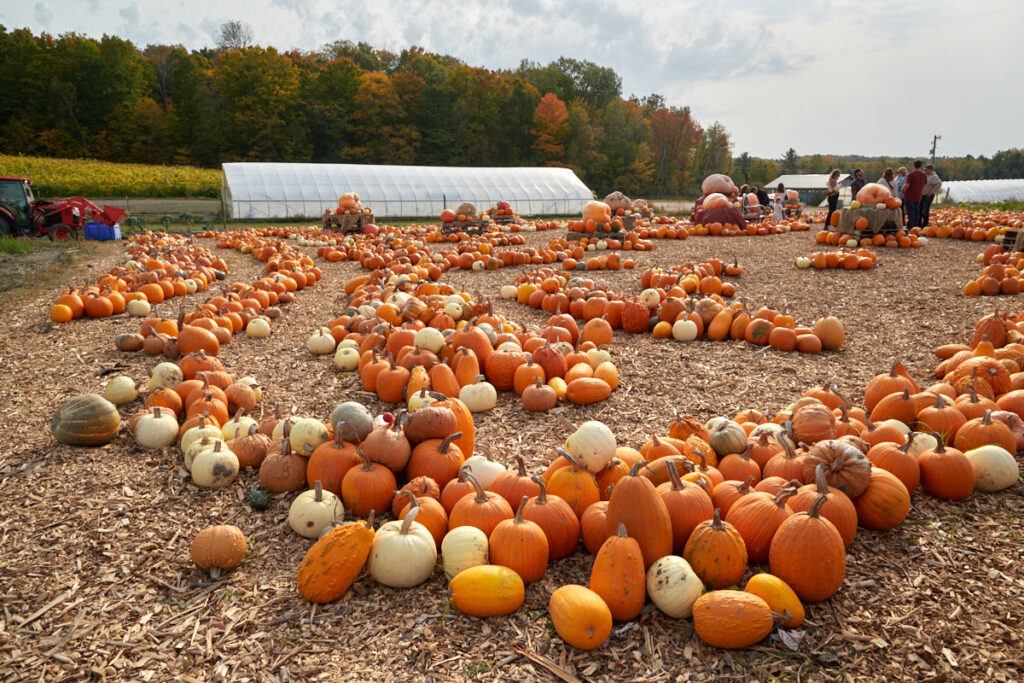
842, 77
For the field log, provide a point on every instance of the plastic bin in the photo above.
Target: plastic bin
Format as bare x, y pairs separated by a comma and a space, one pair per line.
93, 230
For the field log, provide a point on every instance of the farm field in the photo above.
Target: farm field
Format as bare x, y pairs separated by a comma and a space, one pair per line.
97, 581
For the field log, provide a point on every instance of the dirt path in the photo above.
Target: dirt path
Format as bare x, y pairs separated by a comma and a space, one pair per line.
96, 581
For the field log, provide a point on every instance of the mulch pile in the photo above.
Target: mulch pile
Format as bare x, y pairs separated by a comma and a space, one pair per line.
96, 581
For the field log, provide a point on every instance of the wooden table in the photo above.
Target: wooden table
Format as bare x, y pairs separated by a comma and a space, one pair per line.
876, 218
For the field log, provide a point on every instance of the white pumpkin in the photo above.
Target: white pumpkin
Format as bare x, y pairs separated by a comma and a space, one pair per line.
597, 356
650, 298
237, 426
121, 390
684, 330
454, 310
508, 292
165, 375
348, 344
258, 328
897, 424
429, 338
198, 432
480, 396
921, 442
138, 308
485, 471
321, 342
346, 359
592, 446
403, 553
422, 398
463, 547
206, 443
214, 468
803, 262
995, 468
313, 510
509, 346
158, 429
673, 586
307, 433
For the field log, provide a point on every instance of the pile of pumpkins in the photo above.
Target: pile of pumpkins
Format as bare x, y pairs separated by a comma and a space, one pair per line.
349, 203
845, 259
763, 228
971, 225
158, 266
899, 239
412, 341
1000, 273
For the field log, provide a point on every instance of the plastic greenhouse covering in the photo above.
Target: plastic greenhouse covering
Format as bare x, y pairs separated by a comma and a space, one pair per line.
273, 190
983, 191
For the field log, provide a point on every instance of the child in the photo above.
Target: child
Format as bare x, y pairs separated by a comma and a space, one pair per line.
779, 203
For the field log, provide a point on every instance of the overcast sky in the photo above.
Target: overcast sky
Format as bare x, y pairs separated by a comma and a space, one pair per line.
844, 77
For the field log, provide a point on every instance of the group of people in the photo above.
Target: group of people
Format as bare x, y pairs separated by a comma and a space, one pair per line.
916, 189
777, 202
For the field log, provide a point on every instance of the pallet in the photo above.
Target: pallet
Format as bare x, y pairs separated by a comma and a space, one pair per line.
503, 220
347, 222
468, 227
600, 234
1013, 240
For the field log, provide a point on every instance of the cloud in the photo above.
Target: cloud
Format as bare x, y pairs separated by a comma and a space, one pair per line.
131, 15
42, 15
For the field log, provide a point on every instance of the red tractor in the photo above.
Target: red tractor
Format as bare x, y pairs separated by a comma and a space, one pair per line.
61, 219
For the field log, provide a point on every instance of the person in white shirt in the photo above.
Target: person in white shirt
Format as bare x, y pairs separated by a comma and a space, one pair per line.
779, 203
888, 181
931, 186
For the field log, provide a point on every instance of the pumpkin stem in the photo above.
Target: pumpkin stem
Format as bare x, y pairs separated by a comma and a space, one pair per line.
481, 495
893, 366
367, 465
784, 494
369, 520
910, 440
252, 428
565, 454
337, 433
521, 465
816, 505
518, 519
542, 495
716, 521
318, 491
673, 475
635, 469
745, 486
941, 447
820, 480
446, 442
987, 420
410, 516
622, 531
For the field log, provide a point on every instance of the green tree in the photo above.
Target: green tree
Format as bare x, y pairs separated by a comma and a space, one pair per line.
790, 162
714, 154
673, 138
380, 131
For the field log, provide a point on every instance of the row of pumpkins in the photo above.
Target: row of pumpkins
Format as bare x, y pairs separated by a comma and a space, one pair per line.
407, 339
157, 266
846, 259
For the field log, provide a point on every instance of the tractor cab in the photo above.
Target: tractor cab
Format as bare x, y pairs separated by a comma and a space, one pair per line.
17, 197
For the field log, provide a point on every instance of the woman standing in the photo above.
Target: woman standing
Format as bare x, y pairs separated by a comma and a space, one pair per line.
832, 195
779, 203
900, 179
888, 181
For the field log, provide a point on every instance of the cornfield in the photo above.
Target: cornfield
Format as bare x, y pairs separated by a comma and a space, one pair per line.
68, 177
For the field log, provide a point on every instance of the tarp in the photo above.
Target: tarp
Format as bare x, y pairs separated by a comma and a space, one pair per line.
279, 190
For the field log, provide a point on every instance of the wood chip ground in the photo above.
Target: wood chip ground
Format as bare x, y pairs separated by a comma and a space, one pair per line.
96, 581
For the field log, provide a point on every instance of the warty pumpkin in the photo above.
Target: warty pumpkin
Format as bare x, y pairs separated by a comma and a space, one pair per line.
334, 561
717, 553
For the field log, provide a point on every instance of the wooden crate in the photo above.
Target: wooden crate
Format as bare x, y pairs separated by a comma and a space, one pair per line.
1013, 240
347, 222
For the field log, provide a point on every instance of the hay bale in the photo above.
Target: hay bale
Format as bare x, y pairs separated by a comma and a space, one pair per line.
467, 208
616, 200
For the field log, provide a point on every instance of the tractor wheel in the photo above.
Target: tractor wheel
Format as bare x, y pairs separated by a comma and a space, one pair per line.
62, 233
7, 227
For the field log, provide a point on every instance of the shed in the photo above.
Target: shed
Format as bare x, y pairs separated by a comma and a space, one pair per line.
283, 190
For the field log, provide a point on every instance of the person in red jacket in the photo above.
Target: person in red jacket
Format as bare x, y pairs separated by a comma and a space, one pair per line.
913, 189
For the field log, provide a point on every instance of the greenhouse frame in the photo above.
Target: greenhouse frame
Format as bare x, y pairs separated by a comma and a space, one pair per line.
280, 190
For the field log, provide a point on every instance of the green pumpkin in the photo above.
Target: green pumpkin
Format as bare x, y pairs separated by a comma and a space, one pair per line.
258, 499
86, 420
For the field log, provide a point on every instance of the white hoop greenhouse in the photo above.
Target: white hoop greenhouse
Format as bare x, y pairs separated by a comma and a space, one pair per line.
1008, 190
271, 190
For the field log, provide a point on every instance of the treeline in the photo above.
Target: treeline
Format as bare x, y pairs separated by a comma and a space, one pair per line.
757, 171
73, 96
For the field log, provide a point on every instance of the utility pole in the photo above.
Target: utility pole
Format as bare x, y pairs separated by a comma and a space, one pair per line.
935, 140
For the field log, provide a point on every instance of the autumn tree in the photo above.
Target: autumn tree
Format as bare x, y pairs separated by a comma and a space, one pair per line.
550, 129
674, 136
